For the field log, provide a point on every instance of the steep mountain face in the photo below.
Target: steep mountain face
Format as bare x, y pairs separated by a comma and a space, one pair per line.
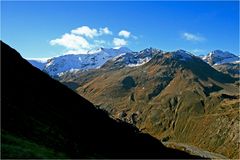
217, 57
72, 62
175, 96
41, 118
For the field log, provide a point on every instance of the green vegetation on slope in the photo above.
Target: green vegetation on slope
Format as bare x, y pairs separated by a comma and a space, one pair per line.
14, 147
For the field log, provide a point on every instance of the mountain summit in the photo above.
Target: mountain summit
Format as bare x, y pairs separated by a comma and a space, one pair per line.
217, 57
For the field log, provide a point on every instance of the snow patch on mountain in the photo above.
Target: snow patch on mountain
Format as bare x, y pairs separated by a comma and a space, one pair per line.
70, 71
93, 59
140, 62
134, 59
218, 57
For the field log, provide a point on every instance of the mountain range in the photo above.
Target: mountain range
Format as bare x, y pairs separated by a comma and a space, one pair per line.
93, 59
56, 66
177, 97
41, 118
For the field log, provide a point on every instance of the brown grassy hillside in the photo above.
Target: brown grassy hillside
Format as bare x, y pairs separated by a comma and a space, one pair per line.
172, 99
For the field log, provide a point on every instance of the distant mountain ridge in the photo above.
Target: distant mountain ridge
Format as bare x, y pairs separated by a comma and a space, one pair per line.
217, 57
93, 59
122, 56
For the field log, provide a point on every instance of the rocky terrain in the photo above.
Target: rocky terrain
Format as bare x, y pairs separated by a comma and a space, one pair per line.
174, 96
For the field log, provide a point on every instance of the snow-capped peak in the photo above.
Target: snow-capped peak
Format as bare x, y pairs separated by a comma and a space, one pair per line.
219, 53
112, 51
93, 59
121, 56
220, 57
134, 59
150, 50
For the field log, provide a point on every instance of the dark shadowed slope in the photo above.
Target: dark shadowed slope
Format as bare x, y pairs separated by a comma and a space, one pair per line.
42, 118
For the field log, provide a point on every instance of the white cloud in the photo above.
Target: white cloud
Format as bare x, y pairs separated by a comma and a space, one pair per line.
192, 37
85, 31
119, 42
71, 41
105, 30
84, 38
124, 33
91, 32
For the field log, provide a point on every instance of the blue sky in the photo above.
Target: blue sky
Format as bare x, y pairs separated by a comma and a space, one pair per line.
47, 29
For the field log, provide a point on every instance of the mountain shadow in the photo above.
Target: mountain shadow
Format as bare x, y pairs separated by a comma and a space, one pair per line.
41, 118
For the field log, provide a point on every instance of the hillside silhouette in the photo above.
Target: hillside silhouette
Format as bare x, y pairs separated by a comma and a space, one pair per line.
41, 118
